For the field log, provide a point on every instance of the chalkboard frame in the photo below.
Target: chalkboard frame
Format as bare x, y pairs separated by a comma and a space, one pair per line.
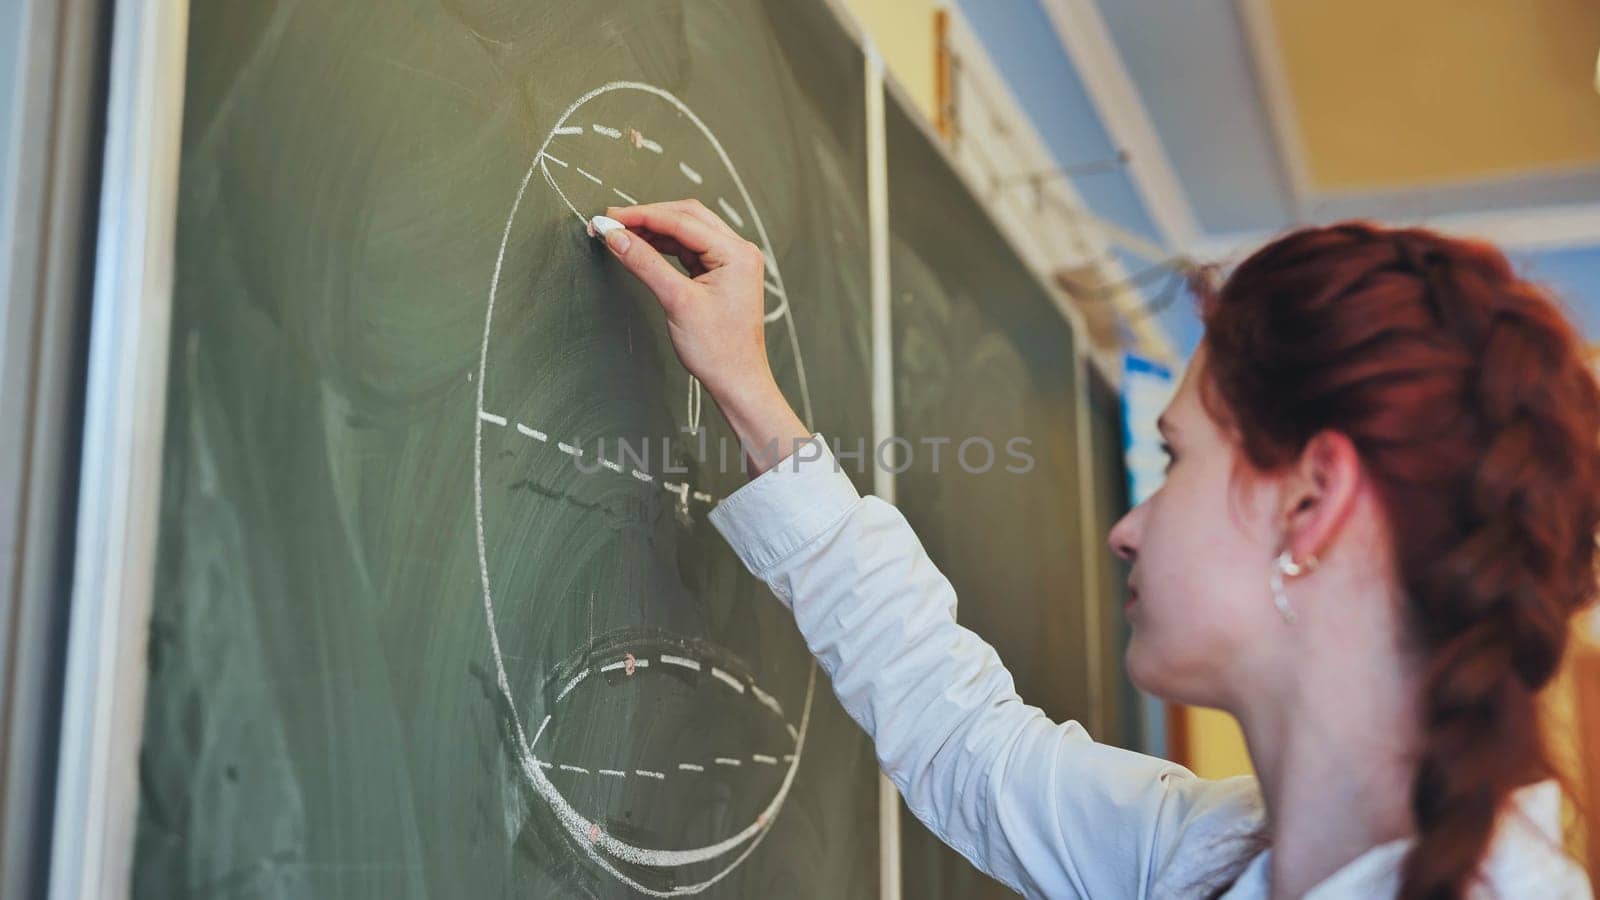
119, 482
52, 149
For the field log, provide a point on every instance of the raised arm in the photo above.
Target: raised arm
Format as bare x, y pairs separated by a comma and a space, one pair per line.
1039, 805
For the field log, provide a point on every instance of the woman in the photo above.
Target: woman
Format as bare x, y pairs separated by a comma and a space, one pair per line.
1376, 530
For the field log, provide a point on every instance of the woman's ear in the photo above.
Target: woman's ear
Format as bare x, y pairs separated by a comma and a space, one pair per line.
1320, 493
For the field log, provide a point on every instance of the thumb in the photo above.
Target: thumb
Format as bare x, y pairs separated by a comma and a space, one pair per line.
647, 264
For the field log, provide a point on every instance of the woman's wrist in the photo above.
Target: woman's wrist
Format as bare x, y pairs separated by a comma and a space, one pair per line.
766, 425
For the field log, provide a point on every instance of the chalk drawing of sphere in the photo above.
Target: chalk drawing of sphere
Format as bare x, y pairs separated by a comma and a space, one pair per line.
613, 142
657, 706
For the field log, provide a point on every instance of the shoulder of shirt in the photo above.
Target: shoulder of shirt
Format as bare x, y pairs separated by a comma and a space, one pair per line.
1525, 857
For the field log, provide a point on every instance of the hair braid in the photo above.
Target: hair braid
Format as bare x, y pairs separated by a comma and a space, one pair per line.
1468, 397
1495, 603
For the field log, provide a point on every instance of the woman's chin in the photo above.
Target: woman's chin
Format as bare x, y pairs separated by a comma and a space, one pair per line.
1138, 668
1151, 670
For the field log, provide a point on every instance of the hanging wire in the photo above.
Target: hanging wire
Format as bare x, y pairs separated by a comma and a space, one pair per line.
1177, 268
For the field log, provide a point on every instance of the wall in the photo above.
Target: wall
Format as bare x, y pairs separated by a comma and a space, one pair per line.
1216, 745
902, 30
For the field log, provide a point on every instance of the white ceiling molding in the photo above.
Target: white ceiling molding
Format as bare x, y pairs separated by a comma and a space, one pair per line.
1533, 229
1549, 228
1273, 81
1090, 46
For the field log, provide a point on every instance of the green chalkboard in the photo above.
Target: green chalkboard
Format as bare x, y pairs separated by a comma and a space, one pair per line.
438, 611
985, 370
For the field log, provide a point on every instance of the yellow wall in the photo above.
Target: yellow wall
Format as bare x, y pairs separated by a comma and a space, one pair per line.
902, 30
1571, 735
1393, 94
1216, 745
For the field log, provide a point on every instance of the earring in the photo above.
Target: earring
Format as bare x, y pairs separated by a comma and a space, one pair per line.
1285, 565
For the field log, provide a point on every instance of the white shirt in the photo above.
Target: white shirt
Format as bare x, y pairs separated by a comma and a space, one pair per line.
1037, 804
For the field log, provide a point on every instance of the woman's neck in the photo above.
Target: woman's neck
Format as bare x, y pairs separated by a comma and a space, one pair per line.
1334, 744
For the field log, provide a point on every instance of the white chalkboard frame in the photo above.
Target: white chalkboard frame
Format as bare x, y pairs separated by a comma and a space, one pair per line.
119, 483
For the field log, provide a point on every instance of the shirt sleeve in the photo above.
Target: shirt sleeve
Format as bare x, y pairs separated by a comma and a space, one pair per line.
1036, 804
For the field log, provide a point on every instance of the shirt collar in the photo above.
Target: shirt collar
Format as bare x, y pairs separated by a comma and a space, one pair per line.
1527, 839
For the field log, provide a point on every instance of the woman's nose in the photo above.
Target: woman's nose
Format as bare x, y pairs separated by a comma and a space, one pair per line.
1122, 539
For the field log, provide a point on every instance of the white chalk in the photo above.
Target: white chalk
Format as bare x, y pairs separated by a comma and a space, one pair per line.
601, 226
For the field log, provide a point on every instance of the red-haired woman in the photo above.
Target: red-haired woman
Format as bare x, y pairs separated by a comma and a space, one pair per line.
1377, 527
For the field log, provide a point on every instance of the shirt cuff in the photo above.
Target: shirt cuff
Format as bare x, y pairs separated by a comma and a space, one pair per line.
785, 507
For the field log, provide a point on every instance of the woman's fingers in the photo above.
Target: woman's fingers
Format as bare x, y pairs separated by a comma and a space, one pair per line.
647, 264
694, 227
695, 208
670, 247
669, 220
717, 316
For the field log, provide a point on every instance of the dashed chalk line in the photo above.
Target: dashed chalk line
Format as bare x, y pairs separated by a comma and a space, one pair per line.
631, 663
727, 679
627, 197
605, 130
668, 659
572, 684
731, 762
730, 212
767, 700
690, 174
585, 173
573, 450
558, 162
570, 129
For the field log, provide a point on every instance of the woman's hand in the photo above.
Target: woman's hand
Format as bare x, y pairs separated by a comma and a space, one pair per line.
715, 315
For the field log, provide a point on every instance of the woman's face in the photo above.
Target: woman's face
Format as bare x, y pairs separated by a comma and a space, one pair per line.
1200, 547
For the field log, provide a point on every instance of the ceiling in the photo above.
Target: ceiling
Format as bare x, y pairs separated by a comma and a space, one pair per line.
1275, 111
1390, 95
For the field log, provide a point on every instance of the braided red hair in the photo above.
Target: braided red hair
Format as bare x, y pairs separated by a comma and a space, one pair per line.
1469, 398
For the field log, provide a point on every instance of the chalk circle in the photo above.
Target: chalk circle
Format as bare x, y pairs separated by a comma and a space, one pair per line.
606, 850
